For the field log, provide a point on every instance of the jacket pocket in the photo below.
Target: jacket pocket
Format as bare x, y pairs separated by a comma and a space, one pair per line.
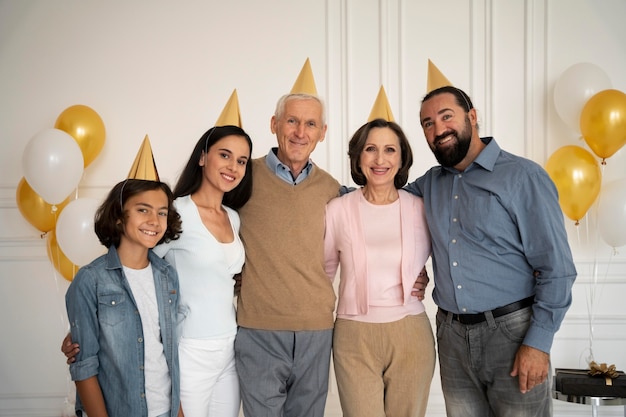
111, 308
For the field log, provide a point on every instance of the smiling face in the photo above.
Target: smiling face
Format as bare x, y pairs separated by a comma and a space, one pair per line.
224, 164
381, 157
145, 220
298, 130
448, 129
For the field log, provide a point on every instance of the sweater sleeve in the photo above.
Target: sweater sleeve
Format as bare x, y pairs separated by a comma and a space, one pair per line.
331, 253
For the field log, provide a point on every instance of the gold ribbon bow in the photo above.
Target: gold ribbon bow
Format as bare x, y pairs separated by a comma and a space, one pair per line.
608, 372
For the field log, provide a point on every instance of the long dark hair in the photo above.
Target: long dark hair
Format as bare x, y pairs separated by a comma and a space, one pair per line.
357, 143
191, 177
110, 219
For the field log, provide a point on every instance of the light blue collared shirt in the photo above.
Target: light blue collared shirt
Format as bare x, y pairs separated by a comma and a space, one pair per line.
282, 171
492, 226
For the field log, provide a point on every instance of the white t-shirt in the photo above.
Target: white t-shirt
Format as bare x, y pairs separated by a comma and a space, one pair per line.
156, 372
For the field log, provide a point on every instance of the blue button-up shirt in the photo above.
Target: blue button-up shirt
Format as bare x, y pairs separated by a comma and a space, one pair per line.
282, 171
492, 226
105, 322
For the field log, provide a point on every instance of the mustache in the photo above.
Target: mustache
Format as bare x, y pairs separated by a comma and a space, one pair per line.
444, 135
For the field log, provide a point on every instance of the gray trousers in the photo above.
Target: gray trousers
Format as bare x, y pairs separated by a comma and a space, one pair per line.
475, 365
283, 373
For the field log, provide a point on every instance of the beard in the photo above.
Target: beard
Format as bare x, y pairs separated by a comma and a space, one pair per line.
452, 154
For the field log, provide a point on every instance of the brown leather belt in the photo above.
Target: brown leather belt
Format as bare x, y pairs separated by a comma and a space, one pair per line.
498, 312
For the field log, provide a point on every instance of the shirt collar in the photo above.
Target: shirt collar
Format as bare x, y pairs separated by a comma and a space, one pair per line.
486, 159
282, 171
488, 156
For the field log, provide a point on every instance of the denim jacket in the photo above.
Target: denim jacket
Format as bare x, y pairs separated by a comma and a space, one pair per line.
105, 321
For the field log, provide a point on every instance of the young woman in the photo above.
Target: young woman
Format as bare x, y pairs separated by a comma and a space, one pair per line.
215, 182
122, 308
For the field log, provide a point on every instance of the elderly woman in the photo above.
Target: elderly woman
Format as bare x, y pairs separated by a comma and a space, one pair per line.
383, 345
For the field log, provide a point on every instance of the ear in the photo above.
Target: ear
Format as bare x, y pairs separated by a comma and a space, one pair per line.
273, 123
323, 133
473, 117
201, 161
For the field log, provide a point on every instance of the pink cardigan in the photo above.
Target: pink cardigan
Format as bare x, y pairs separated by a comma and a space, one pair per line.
344, 244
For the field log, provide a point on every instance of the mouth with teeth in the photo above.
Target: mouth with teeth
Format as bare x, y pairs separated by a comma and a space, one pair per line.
227, 177
379, 170
149, 232
444, 139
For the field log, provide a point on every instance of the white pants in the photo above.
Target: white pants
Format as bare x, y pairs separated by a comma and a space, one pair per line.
209, 386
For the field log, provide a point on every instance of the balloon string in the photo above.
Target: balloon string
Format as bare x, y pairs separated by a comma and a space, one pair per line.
594, 290
68, 403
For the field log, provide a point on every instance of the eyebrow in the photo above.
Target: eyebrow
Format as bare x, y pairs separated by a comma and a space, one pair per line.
438, 113
142, 204
231, 152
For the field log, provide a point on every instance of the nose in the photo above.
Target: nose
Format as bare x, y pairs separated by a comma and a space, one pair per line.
153, 217
232, 165
300, 129
440, 127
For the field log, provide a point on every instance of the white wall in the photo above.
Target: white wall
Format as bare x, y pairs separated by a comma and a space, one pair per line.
166, 69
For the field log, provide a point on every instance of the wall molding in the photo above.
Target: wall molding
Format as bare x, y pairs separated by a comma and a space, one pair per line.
535, 80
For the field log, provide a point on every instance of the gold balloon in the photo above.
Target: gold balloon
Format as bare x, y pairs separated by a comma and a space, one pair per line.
603, 122
60, 262
86, 127
577, 176
35, 209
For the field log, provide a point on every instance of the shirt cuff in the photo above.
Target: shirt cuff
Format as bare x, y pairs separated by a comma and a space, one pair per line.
539, 338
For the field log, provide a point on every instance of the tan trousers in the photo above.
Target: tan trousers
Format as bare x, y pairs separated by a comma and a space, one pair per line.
384, 369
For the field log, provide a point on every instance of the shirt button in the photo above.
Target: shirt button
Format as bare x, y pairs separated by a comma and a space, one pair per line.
459, 286
140, 340
464, 310
454, 220
460, 175
455, 264
453, 240
143, 395
113, 303
456, 197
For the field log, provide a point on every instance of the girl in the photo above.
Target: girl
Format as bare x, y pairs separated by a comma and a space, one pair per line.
122, 308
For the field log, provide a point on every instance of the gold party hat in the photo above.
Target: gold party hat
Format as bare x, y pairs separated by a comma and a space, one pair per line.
305, 83
435, 78
381, 108
230, 114
144, 167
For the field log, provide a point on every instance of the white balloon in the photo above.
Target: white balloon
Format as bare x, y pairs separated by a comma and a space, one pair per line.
75, 231
53, 164
575, 87
612, 213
